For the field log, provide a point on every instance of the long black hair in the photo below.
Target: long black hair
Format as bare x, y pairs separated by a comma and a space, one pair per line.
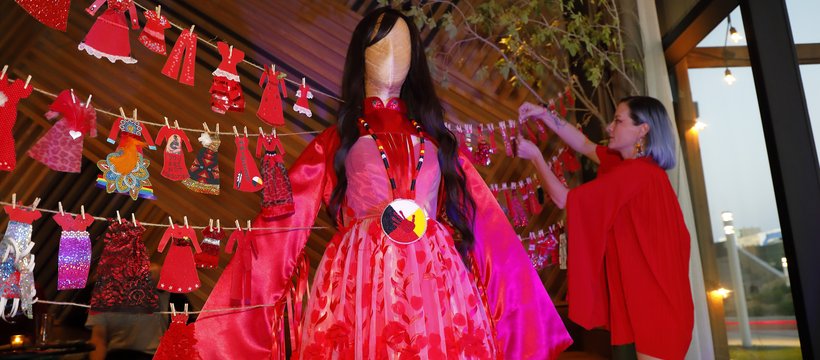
423, 105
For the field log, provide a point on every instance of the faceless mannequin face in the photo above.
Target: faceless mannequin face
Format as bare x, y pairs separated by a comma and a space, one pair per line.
387, 63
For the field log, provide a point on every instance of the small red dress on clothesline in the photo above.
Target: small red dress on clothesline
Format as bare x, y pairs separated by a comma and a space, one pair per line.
179, 270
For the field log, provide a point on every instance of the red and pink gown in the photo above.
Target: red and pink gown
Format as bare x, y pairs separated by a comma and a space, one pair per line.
372, 298
10, 96
61, 148
628, 257
108, 36
178, 273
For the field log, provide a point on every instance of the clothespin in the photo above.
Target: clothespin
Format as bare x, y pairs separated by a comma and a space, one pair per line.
28, 79
173, 309
273, 68
82, 211
73, 98
218, 226
159, 9
133, 219
88, 102
238, 227
274, 133
185, 220
303, 82
176, 124
119, 219
207, 130
186, 308
3, 74
246, 131
261, 132
235, 132
211, 224
166, 122
60, 205
230, 51
249, 226
122, 113
171, 221
135, 114
192, 28
14, 198
217, 128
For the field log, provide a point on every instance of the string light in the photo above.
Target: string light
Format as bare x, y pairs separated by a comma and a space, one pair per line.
699, 126
728, 77
734, 35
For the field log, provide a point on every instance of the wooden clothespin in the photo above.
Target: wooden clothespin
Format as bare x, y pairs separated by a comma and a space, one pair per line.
14, 200
60, 206
135, 114
122, 113
274, 133
273, 67
119, 219
211, 224
28, 80
185, 221
207, 129
192, 28
230, 51
261, 132
218, 225
235, 132
176, 124
171, 221
34, 205
82, 211
133, 219
238, 227
166, 122
3, 74
245, 130
173, 309
73, 98
217, 129
303, 82
186, 308
88, 102
159, 9
249, 226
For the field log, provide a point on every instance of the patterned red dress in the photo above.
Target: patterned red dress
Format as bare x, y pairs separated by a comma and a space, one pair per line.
211, 240
178, 342
226, 92
179, 271
10, 95
153, 34
277, 199
123, 277
108, 36
246, 175
174, 167
61, 148
270, 108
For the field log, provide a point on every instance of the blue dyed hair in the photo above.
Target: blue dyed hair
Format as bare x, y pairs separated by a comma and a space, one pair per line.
660, 141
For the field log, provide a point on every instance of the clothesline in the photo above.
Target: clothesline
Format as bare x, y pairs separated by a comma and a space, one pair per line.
259, 67
165, 225
243, 308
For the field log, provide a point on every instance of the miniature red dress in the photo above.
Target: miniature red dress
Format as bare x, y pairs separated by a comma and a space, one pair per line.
302, 105
270, 108
153, 34
125, 171
628, 256
185, 46
123, 275
246, 175
209, 257
174, 167
61, 148
53, 14
178, 342
10, 95
74, 257
226, 92
179, 271
108, 36
277, 199
204, 171
241, 266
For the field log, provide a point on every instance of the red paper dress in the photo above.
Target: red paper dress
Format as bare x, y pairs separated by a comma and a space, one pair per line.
270, 108
226, 92
61, 148
123, 277
246, 176
178, 342
53, 13
277, 198
174, 167
108, 36
209, 257
179, 271
153, 34
628, 265
302, 105
10, 95
125, 171
373, 298
241, 262
204, 171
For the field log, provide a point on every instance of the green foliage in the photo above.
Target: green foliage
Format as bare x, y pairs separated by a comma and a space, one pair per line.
543, 45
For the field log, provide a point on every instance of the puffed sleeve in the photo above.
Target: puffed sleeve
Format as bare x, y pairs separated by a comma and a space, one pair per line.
253, 334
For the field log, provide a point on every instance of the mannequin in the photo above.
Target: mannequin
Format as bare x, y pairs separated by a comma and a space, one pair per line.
446, 280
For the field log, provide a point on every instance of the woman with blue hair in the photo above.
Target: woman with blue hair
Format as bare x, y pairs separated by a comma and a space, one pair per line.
628, 246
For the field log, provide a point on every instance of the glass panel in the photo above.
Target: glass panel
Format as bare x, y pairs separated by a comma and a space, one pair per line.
738, 180
803, 18
811, 86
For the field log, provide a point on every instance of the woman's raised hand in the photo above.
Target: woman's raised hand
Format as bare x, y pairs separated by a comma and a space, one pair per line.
529, 110
527, 149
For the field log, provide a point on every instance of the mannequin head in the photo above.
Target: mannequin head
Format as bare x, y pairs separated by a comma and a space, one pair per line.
386, 59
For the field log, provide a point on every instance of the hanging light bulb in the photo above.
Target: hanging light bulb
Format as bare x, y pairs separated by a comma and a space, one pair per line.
735, 35
728, 77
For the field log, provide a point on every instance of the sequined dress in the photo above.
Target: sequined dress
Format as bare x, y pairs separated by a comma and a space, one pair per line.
17, 266
74, 257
